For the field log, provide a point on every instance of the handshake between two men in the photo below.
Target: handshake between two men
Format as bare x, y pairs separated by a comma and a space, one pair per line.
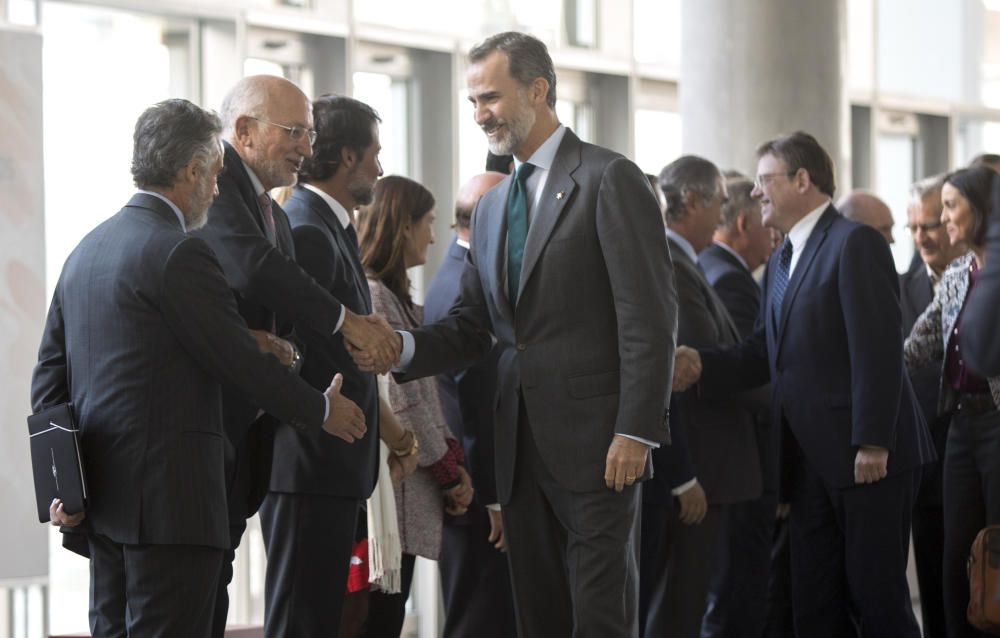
871, 462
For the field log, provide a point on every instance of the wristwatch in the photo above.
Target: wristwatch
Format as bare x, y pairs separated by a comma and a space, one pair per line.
410, 450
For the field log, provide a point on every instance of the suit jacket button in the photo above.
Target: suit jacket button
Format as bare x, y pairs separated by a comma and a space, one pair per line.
521, 347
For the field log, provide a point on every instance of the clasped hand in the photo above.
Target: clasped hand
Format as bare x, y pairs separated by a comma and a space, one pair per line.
687, 368
371, 341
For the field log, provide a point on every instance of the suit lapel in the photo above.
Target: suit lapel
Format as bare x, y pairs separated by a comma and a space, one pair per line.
237, 171
343, 242
813, 244
724, 325
496, 233
550, 208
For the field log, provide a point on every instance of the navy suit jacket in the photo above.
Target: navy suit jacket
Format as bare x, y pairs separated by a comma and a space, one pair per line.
980, 343
304, 462
467, 396
734, 284
142, 336
834, 356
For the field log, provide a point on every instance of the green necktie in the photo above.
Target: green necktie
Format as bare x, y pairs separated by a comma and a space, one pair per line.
517, 228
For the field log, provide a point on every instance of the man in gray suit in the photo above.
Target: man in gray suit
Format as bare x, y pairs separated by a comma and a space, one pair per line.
142, 336
569, 271
719, 434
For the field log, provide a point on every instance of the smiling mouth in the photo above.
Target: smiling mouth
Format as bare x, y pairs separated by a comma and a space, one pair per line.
492, 130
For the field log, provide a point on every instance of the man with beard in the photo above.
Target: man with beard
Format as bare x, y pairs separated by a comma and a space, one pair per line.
319, 480
141, 337
583, 378
268, 132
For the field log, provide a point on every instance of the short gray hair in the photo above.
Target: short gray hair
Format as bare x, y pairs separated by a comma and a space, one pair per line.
527, 58
927, 186
687, 174
168, 136
247, 97
739, 200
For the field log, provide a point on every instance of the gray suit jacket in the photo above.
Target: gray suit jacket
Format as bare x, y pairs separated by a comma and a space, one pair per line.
589, 350
720, 433
142, 334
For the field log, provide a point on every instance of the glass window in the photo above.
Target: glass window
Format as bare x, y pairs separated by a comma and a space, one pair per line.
895, 174
657, 139
860, 45
581, 23
658, 32
924, 49
389, 97
21, 12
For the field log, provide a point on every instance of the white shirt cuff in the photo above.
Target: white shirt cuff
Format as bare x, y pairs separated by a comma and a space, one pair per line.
407, 352
652, 444
495, 507
326, 407
680, 489
340, 322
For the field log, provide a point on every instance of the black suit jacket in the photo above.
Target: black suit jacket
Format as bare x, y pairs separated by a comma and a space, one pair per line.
304, 462
736, 287
589, 350
467, 396
271, 291
141, 331
719, 433
915, 294
834, 355
980, 340
734, 284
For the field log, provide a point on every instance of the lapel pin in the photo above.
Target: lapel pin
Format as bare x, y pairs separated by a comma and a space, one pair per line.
560, 194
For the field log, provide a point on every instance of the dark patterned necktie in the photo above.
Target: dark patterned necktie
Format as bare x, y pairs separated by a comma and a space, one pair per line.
780, 283
517, 228
266, 208
352, 235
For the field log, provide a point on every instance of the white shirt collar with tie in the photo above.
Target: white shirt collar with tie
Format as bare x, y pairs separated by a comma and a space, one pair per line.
542, 159
800, 232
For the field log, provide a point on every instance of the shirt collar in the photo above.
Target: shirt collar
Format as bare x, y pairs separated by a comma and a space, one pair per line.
799, 234
545, 155
933, 276
685, 245
463, 243
258, 187
173, 207
342, 215
726, 247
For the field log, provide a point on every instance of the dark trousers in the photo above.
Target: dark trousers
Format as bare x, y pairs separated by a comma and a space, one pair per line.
151, 591
928, 548
676, 604
780, 621
386, 612
971, 502
475, 580
221, 613
308, 538
573, 555
849, 549
736, 606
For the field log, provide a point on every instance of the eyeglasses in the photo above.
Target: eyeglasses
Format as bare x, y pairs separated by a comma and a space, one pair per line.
763, 178
926, 227
294, 132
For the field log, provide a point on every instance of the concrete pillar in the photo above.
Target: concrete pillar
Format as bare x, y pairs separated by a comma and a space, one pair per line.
753, 70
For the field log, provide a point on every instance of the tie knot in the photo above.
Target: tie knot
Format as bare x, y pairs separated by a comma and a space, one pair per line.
523, 172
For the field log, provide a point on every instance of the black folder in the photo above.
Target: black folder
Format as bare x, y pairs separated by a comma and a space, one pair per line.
56, 461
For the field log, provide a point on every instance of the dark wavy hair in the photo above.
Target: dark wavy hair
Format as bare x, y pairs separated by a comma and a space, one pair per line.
341, 122
398, 201
976, 186
527, 58
801, 150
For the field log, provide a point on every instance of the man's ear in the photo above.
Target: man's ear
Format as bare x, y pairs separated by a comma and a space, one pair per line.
802, 180
539, 90
241, 131
347, 157
742, 221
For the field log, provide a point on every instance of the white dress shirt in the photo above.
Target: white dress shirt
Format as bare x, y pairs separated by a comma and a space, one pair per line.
800, 232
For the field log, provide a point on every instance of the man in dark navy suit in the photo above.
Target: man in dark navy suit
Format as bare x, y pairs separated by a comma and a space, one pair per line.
315, 479
475, 580
851, 435
143, 337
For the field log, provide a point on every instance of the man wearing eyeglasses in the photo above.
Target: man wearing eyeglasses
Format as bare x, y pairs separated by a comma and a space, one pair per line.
849, 435
268, 132
916, 289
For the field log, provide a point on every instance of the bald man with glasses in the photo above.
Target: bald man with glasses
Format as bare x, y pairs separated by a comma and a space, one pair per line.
267, 134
